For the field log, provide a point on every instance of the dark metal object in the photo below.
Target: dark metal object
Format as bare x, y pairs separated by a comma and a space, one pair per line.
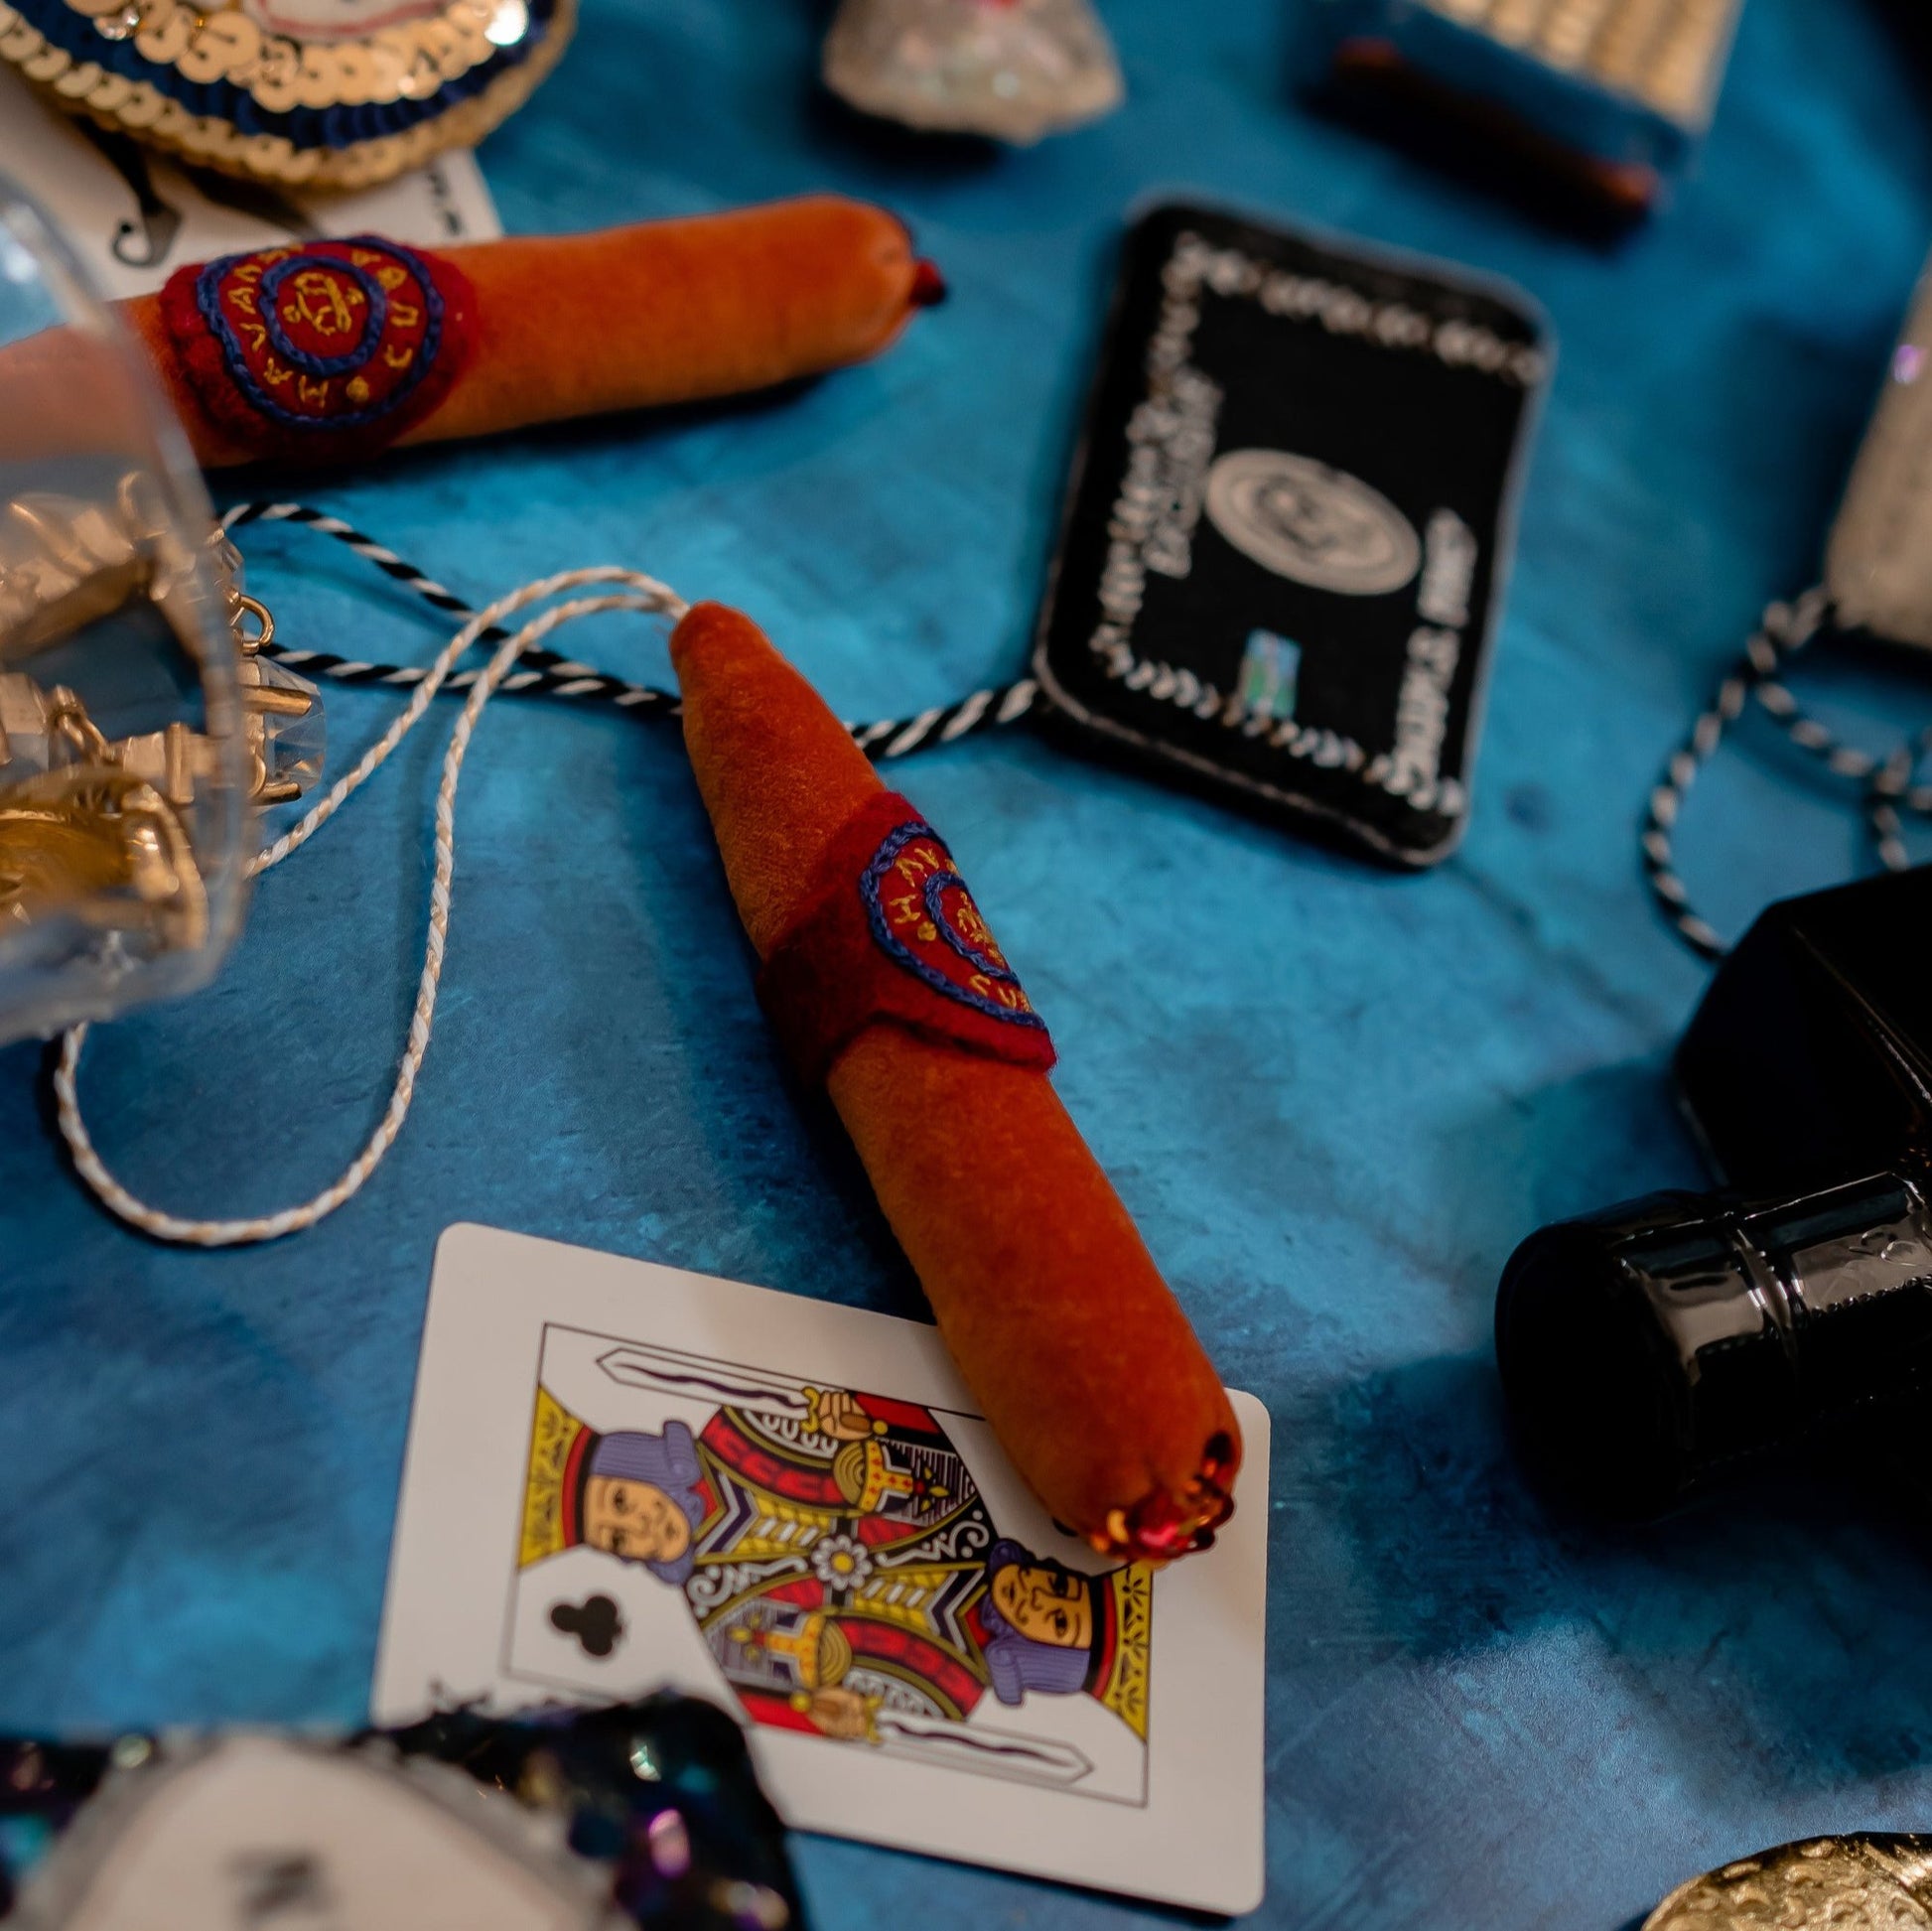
1644, 1347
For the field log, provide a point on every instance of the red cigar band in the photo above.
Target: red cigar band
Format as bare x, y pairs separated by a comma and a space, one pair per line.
326, 350
891, 934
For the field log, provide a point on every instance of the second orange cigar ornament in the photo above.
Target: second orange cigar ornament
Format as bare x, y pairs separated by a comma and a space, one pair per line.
883, 982
332, 351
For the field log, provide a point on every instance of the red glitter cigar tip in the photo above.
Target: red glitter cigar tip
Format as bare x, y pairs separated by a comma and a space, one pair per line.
928, 285
1160, 1527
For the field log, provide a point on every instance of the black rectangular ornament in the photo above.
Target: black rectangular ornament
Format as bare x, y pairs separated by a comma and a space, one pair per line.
1289, 523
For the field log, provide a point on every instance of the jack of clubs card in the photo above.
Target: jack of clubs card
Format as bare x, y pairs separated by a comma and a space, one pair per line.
622, 1476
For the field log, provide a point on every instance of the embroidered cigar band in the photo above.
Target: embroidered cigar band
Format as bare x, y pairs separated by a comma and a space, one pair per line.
332, 347
892, 933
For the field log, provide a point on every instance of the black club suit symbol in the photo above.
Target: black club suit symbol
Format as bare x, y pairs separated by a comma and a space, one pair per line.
594, 1623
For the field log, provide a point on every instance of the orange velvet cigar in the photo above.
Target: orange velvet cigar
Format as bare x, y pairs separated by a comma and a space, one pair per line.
327, 351
1062, 1326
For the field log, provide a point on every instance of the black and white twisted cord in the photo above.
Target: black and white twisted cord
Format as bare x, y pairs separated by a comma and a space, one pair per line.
611, 589
1887, 782
543, 673
512, 653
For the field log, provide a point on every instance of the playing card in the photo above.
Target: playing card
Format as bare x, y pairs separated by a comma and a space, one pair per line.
134, 217
623, 1476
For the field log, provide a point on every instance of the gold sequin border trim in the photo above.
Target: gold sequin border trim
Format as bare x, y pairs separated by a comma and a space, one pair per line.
139, 109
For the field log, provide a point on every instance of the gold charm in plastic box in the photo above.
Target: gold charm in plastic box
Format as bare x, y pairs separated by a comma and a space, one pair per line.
139, 723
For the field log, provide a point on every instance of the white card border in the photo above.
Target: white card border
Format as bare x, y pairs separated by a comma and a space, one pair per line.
1198, 1843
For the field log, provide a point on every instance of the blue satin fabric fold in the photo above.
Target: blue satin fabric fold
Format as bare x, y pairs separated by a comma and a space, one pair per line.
1334, 1099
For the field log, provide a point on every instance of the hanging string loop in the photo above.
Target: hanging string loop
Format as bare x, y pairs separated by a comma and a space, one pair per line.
614, 589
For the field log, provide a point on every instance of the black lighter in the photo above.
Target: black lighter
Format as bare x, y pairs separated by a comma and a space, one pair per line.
1645, 1347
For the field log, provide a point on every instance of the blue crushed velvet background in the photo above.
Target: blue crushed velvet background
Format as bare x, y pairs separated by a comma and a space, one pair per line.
1334, 1098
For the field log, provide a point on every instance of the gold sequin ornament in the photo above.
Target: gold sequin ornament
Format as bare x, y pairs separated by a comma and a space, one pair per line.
1877, 1881
314, 93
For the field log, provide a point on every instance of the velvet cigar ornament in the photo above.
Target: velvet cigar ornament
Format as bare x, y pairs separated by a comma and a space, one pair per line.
332, 350
882, 980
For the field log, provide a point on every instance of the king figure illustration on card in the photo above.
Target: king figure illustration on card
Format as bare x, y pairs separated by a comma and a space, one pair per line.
835, 1554
842, 1565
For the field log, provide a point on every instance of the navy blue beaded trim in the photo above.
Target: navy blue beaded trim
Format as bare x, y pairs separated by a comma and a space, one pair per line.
303, 127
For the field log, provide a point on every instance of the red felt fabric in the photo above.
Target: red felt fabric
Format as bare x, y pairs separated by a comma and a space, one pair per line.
634, 317
853, 959
228, 375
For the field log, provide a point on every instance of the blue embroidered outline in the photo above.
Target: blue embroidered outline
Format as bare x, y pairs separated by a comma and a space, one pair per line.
936, 888
208, 298
902, 954
278, 337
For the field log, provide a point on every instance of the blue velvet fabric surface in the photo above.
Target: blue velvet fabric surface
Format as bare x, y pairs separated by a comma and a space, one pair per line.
1334, 1098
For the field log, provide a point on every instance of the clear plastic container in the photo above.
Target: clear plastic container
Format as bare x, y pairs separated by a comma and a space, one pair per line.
135, 727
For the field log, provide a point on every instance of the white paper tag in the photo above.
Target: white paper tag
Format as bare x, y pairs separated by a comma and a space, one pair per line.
134, 215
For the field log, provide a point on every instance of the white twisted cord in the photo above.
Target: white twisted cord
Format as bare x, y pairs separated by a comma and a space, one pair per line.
637, 593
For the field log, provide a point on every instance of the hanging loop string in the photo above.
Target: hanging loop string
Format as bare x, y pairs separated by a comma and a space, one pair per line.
543, 673
1784, 631
628, 590
1888, 788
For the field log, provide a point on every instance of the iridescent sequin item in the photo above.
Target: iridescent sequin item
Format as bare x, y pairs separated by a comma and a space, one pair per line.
1015, 70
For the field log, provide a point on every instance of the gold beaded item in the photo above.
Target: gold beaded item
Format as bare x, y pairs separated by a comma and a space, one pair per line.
97, 832
1667, 55
1872, 1882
